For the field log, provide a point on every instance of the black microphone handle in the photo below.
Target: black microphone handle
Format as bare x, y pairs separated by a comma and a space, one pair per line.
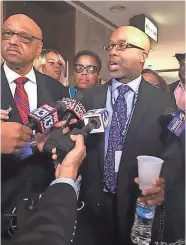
93, 123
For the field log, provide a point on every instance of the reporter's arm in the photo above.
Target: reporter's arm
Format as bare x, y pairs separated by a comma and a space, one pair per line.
54, 218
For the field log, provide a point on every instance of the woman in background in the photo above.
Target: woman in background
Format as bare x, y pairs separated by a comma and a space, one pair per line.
51, 63
87, 66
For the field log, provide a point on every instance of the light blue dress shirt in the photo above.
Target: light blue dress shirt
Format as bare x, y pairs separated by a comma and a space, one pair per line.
112, 94
67, 181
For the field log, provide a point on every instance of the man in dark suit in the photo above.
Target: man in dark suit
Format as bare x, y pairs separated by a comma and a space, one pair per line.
54, 219
24, 89
135, 108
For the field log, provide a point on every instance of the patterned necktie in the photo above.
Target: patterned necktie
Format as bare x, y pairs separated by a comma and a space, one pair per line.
115, 141
21, 99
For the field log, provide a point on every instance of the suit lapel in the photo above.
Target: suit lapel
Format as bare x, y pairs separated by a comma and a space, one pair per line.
100, 102
142, 106
43, 94
8, 100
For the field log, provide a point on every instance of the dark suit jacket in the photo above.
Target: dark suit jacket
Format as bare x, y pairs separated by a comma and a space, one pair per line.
38, 167
53, 221
144, 137
173, 86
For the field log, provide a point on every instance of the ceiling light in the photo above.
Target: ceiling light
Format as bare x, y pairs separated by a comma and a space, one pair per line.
117, 8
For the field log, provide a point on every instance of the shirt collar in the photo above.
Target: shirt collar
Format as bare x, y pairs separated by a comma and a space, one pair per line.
134, 84
12, 75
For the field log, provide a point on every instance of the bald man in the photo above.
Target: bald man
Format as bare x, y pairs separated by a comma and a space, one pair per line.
24, 89
110, 190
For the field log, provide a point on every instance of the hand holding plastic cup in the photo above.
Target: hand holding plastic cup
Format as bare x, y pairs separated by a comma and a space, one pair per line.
148, 169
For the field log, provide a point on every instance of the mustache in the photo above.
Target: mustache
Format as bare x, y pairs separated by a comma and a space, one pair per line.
12, 48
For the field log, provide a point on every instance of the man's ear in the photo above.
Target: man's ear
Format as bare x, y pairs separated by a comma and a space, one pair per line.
40, 48
143, 57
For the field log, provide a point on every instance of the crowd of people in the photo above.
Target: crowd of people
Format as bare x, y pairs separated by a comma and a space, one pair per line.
40, 202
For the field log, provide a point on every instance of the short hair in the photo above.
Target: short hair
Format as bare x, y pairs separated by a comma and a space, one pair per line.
91, 54
161, 82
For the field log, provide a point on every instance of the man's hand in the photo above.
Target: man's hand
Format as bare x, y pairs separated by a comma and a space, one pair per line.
4, 114
14, 136
154, 195
42, 138
70, 165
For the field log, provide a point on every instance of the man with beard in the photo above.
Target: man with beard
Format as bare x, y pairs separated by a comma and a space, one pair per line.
24, 89
109, 187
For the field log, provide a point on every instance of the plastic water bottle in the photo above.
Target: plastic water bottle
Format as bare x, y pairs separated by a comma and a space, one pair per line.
141, 230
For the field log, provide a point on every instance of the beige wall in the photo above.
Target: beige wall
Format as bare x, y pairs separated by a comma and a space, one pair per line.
92, 35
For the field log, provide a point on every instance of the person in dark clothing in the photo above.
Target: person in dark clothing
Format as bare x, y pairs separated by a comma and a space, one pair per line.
53, 221
153, 78
23, 89
87, 66
108, 187
181, 59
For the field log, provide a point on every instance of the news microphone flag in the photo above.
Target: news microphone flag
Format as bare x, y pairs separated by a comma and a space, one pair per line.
102, 114
75, 107
45, 117
177, 124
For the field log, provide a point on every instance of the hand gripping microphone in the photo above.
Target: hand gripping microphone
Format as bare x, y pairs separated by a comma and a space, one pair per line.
44, 117
64, 144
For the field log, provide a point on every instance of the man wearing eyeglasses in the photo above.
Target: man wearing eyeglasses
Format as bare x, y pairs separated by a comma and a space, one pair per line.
110, 190
24, 89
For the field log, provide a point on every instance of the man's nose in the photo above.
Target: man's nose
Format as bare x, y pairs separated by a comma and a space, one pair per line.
84, 72
113, 51
57, 65
14, 39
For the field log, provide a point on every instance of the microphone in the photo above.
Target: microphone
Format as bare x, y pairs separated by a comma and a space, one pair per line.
75, 108
173, 121
44, 117
177, 124
102, 114
64, 144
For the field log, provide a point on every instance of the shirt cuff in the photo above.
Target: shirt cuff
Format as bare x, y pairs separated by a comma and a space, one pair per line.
66, 181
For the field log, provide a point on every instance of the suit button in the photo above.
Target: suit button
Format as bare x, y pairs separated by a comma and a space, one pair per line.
98, 204
74, 233
71, 240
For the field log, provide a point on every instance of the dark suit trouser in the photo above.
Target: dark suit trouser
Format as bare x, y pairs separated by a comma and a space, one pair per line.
98, 229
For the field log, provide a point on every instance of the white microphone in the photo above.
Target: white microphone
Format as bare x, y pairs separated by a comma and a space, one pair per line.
102, 115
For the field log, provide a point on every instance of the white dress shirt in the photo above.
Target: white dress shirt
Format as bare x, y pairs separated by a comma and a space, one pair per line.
112, 93
30, 86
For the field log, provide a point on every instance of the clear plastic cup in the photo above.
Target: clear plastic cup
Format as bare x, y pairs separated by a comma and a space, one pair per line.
148, 169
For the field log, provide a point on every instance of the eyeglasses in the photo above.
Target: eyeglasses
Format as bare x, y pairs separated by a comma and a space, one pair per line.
90, 69
121, 46
23, 37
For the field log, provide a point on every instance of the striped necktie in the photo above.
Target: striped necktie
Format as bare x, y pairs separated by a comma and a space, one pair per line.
21, 99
